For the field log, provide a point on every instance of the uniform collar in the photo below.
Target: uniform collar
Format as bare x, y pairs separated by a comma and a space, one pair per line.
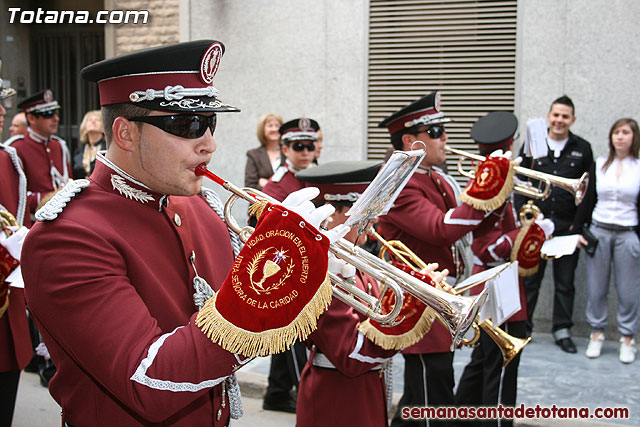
424, 170
36, 136
291, 168
113, 179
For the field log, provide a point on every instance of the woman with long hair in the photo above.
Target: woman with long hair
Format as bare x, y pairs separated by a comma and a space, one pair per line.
614, 223
92, 141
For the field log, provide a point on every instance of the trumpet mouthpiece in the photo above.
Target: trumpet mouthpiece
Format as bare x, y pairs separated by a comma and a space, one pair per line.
201, 169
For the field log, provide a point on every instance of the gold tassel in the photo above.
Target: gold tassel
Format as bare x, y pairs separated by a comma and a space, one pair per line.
399, 342
496, 201
250, 344
257, 208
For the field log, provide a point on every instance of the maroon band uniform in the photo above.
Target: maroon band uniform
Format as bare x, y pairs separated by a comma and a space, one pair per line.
350, 390
16, 350
283, 182
112, 350
39, 156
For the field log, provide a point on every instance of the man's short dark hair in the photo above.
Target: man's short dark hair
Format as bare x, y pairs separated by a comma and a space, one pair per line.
111, 112
396, 138
564, 100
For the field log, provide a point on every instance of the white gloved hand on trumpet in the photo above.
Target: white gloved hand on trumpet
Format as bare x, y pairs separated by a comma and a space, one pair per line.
301, 203
546, 224
507, 155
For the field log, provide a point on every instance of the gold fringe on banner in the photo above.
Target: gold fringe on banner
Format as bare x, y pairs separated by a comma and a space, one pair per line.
522, 271
496, 201
257, 208
251, 344
399, 342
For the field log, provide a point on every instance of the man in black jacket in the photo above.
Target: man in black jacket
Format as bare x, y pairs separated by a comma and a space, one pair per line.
568, 156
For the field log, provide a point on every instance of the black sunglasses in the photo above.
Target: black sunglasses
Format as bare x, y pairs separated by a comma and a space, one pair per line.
299, 146
434, 131
190, 126
46, 114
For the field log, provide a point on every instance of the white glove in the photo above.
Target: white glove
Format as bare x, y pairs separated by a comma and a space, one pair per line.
340, 267
507, 155
546, 224
499, 153
14, 242
300, 203
42, 350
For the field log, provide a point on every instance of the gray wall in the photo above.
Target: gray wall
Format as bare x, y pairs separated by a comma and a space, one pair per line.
296, 58
310, 58
588, 50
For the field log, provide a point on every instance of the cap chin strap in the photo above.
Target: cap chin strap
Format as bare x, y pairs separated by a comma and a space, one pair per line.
427, 119
173, 92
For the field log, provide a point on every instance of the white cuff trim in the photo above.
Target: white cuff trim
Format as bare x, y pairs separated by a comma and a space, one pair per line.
459, 221
141, 377
355, 354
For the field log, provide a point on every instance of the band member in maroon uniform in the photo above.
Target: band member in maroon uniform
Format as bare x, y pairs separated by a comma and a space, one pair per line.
119, 264
15, 349
343, 382
44, 155
485, 382
427, 218
298, 146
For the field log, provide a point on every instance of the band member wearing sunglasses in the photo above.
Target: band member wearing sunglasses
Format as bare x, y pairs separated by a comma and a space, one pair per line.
346, 380
299, 138
15, 348
126, 268
298, 146
427, 218
44, 155
484, 381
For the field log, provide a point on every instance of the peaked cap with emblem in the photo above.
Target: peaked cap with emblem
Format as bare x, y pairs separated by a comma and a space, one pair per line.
424, 111
40, 102
302, 129
5, 92
496, 130
176, 78
341, 180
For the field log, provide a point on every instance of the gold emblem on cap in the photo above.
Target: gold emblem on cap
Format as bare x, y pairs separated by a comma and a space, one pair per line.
210, 62
304, 124
48, 95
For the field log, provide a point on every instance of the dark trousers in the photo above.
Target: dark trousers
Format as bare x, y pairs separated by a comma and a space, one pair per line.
285, 370
430, 373
484, 382
564, 269
8, 392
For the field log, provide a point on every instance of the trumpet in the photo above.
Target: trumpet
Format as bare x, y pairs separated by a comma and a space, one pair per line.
456, 312
509, 345
577, 186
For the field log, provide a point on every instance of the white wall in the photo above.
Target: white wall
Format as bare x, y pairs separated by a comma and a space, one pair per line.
296, 58
588, 50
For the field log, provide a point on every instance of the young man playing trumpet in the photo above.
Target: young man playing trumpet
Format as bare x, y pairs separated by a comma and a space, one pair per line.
485, 382
129, 274
427, 218
344, 382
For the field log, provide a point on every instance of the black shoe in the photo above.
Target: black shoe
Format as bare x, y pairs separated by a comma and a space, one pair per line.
285, 404
567, 345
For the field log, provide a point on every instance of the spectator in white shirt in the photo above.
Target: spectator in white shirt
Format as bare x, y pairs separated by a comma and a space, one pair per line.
614, 222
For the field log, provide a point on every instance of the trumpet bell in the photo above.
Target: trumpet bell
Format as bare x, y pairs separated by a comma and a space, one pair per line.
509, 345
462, 318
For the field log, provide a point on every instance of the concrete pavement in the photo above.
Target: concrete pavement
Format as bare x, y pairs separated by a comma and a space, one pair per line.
547, 376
